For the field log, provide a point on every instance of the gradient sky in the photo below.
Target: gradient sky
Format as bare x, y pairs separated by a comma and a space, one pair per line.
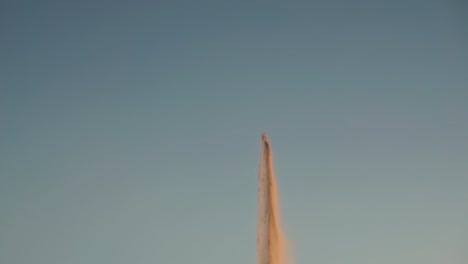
130, 130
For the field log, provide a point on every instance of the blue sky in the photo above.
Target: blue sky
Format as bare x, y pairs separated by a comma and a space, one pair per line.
130, 130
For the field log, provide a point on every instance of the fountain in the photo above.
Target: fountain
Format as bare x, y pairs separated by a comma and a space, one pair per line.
271, 242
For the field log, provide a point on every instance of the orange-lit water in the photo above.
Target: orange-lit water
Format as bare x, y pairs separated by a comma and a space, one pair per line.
271, 242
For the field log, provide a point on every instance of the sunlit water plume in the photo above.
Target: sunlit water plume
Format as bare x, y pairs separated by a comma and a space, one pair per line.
271, 242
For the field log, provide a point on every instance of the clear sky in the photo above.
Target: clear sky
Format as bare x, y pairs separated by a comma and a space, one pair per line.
130, 130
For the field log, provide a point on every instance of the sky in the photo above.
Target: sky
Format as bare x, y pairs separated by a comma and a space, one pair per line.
130, 130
